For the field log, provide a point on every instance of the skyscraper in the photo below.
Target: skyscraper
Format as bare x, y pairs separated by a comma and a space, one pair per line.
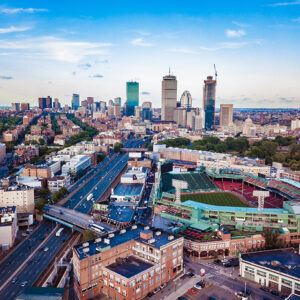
75, 101
45, 102
168, 97
209, 100
186, 100
132, 92
226, 114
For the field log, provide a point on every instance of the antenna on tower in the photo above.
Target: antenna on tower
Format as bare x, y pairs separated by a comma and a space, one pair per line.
169, 71
216, 74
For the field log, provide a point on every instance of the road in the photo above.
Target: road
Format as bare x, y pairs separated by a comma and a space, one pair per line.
35, 266
12, 263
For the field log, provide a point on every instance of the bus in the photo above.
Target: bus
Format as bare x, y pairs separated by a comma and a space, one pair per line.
97, 228
89, 197
59, 231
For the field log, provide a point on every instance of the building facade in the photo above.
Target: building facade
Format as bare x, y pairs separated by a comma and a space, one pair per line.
168, 97
132, 94
226, 114
209, 100
75, 101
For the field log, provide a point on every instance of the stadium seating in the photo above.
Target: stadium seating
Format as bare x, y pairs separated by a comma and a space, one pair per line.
287, 189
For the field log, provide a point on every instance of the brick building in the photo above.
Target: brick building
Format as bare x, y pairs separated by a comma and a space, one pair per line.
127, 264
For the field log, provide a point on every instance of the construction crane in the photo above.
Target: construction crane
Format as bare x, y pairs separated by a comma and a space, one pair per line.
216, 74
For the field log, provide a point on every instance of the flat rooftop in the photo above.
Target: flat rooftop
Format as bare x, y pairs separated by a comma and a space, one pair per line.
130, 266
121, 214
128, 189
281, 260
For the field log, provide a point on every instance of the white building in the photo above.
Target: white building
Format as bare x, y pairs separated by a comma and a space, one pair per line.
134, 175
57, 182
275, 269
76, 165
295, 124
19, 196
8, 226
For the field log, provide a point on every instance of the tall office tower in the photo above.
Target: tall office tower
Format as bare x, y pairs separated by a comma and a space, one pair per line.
209, 100
168, 97
117, 107
146, 114
186, 100
45, 102
110, 108
84, 103
132, 92
56, 104
96, 106
138, 112
90, 100
180, 116
117, 101
48, 102
226, 114
25, 106
15, 106
102, 106
147, 104
75, 101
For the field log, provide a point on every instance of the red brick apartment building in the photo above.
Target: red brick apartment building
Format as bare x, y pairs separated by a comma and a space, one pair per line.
127, 264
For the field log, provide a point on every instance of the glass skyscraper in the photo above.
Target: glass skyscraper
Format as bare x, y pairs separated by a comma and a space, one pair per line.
75, 101
209, 100
132, 93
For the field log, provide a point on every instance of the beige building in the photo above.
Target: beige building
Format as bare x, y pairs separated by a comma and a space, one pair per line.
2, 151
8, 226
168, 97
21, 197
226, 114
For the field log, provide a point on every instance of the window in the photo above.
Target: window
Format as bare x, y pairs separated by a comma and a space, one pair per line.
104, 274
157, 270
163, 275
111, 277
132, 284
174, 254
273, 277
164, 252
286, 282
117, 280
151, 274
145, 276
174, 261
124, 283
118, 289
111, 285
261, 273
105, 282
145, 285
151, 281
124, 292
138, 280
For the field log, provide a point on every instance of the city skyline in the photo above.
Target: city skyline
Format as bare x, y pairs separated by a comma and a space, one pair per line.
60, 50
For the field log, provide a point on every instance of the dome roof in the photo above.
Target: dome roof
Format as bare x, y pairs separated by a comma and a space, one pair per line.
186, 99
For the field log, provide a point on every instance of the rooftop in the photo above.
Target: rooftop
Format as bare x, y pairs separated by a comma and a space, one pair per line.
281, 260
121, 214
128, 189
129, 267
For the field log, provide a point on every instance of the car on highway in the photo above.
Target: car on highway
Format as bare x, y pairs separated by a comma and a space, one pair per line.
24, 283
14, 280
192, 291
45, 249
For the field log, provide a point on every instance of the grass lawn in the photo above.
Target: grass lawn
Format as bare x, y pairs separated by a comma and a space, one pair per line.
219, 199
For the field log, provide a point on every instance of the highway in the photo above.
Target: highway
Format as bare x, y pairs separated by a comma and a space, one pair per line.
12, 263
35, 266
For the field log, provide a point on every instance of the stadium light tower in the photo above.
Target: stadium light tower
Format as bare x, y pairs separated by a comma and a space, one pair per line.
179, 185
261, 195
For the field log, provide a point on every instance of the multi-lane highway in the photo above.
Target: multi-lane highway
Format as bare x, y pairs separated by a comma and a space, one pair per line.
36, 265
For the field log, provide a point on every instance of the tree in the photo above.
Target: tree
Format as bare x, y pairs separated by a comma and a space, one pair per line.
44, 192
150, 147
117, 147
59, 194
100, 157
39, 205
41, 141
89, 235
272, 239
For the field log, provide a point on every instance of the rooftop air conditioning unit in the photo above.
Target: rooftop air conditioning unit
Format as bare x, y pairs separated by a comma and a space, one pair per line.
158, 233
85, 250
171, 237
146, 228
107, 241
98, 240
85, 244
111, 235
122, 231
134, 227
151, 241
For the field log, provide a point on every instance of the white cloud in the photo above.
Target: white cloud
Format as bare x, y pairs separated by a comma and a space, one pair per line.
183, 50
235, 33
297, 2
13, 29
56, 48
140, 43
10, 11
240, 24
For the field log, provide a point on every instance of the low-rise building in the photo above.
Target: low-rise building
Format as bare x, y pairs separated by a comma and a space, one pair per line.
275, 269
8, 226
127, 264
57, 182
76, 165
2, 151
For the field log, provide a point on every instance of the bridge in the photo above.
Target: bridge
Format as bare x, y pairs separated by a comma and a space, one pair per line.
126, 150
71, 218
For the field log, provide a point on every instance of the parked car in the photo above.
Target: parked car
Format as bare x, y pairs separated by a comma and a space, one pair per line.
199, 285
275, 293
192, 291
191, 274
163, 286
264, 288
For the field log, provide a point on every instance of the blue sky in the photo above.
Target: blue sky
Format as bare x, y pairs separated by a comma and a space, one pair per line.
92, 48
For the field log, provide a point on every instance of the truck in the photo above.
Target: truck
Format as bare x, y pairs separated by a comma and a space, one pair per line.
89, 197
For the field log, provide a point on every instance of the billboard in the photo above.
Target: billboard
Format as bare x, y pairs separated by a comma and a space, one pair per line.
135, 154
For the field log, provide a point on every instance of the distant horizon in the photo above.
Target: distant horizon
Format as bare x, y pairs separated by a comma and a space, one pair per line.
94, 48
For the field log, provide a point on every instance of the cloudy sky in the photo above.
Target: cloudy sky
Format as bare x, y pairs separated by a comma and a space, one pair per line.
92, 48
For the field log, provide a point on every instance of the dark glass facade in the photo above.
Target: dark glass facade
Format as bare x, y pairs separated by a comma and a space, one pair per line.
132, 92
209, 101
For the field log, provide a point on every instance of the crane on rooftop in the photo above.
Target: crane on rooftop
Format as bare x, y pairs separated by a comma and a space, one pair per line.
216, 74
